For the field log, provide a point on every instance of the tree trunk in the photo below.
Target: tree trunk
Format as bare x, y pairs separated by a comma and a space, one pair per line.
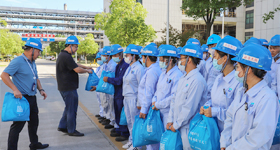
86, 59
208, 28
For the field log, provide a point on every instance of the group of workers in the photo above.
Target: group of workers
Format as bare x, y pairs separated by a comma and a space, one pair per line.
238, 83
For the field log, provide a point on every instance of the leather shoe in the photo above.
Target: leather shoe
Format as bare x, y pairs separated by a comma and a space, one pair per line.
113, 130
106, 122
97, 116
109, 126
62, 130
101, 120
76, 133
115, 134
39, 146
121, 138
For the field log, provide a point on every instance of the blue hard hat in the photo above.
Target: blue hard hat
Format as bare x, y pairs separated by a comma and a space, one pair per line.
115, 49
178, 51
132, 49
150, 50
193, 41
275, 40
153, 44
98, 55
213, 39
229, 45
168, 50
106, 50
204, 48
255, 56
139, 48
72, 40
264, 42
252, 40
192, 50
32, 42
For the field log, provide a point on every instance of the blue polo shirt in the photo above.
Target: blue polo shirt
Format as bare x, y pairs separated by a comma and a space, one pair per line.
22, 75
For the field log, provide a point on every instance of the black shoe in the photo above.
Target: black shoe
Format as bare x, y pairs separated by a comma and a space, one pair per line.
113, 130
62, 130
101, 120
97, 116
76, 133
106, 122
109, 126
115, 134
121, 138
39, 146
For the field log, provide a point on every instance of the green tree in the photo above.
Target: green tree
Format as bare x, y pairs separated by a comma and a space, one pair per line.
125, 24
10, 43
270, 15
208, 9
3, 22
88, 47
46, 51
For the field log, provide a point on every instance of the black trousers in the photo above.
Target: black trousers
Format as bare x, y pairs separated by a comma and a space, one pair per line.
33, 124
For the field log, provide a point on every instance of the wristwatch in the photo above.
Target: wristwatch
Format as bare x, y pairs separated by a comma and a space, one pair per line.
41, 90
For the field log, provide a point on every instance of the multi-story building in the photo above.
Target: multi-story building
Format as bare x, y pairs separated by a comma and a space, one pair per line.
46, 22
240, 22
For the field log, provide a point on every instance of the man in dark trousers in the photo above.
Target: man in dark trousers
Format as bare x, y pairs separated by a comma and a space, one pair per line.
120, 131
67, 81
24, 83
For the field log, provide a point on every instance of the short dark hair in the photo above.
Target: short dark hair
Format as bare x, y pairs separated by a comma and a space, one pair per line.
66, 45
153, 58
257, 72
174, 59
136, 57
222, 54
195, 60
26, 48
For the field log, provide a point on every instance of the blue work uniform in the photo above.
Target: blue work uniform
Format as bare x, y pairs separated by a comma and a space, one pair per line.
251, 119
201, 67
222, 95
98, 73
146, 91
107, 100
273, 73
131, 81
190, 96
210, 75
166, 89
118, 97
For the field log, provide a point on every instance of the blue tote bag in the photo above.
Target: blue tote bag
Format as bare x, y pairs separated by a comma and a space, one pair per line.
15, 109
106, 87
137, 133
276, 138
204, 133
123, 118
171, 141
91, 81
153, 126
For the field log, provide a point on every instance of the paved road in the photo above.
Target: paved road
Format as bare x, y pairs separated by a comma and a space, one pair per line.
96, 137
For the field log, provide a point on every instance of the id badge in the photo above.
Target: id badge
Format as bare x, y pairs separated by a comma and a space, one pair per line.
33, 87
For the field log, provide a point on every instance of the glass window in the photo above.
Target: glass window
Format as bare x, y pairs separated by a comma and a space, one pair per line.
249, 22
250, 5
140, 1
248, 35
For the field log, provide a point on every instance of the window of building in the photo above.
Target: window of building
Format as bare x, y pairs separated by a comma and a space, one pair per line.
140, 1
250, 5
249, 22
248, 35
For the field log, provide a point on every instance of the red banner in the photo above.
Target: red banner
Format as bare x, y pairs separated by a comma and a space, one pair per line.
37, 35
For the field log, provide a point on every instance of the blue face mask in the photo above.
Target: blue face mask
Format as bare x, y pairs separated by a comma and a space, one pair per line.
216, 65
100, 62
116, 59
240, 79
103, 59
162, 65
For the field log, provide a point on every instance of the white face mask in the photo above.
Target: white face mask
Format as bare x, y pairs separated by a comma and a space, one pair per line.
211, 51
204, 56
180, 66
127, 60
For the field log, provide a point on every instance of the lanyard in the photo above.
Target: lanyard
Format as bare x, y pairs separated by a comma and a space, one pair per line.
30, 67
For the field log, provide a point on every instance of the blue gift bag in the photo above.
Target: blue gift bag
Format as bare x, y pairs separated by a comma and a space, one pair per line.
106, 87
137, 133
276, 138
15, 109
91, 81
204, 133
153, 126
123, 118
171, 141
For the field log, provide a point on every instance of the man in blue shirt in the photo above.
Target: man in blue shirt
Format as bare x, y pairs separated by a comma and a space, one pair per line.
117, 55
24, 83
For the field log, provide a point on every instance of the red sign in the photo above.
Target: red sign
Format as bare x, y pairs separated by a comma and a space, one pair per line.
37, 35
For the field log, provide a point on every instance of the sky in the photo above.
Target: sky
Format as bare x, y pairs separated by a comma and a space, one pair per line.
81, 5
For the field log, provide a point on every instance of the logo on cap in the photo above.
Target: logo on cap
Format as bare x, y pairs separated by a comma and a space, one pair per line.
195, 43
250, 58
32, 43
134, 50
70, 40
190, 50
171, 52
150, 52
230, 46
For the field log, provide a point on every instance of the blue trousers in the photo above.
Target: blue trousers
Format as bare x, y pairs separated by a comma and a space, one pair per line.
68, 120
118, 105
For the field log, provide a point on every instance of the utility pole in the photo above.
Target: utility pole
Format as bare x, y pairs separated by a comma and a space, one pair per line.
167, 27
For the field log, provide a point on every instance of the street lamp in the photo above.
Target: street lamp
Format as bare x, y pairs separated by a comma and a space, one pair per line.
167, 25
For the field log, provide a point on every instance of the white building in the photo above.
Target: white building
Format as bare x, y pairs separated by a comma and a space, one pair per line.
242, 22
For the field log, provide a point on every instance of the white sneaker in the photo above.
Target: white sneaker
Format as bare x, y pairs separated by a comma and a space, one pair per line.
133, 148
127, 145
